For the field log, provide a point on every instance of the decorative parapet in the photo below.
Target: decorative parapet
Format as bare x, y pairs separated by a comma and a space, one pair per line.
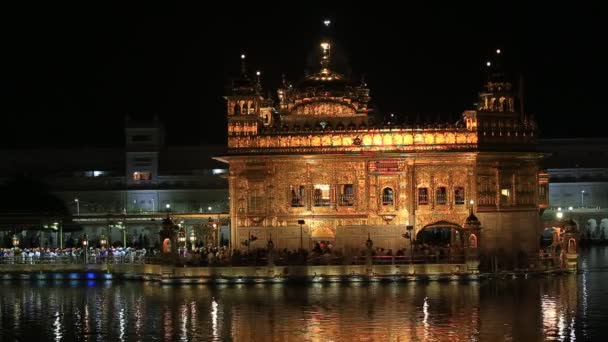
356, 140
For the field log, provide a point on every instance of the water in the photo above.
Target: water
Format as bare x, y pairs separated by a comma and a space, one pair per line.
562, 308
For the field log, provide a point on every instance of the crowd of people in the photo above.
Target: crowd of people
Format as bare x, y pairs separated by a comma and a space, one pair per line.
322, 253
75, 255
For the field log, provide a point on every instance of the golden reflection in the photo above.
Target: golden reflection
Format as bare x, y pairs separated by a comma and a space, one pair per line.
214, 310
58, 327
425, 319
168, 324
183, 320
122, 323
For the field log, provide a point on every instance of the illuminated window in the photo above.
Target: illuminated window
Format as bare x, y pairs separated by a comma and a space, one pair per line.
388, 196
142, 176
441, 195
505, 196
256, 203
423, 196
321, 195
297, 193
459, 195
347, 195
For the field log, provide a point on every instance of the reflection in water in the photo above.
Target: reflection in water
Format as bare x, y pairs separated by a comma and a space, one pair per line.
57, 327
535, 309
214, 319
121, 320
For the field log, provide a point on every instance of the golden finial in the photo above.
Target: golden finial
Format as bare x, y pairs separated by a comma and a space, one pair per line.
325, 50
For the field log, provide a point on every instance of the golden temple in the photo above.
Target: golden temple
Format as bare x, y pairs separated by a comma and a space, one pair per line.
314, 166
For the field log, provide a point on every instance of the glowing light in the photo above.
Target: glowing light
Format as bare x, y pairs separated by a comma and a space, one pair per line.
488, 63
258, 73
209, 208
570, 208
243, 56
57, 327
122, 324
559, 215
471, 202
425, 319
498, 51
214, 312
325, 45
326, 22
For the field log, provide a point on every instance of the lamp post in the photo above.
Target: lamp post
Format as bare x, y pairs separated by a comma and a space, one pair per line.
77, 206
15, 241
168, 207
408, 235
85, 246
192, 239
103, 241
270, 247
124, 234
216, 229
181, 238
301, 223
368, 245
582, 198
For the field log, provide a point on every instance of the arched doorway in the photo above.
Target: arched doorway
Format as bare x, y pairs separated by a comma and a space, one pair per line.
167, 245
442, 241
441, 233
322, 239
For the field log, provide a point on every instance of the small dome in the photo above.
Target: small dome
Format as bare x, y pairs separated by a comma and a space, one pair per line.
472, 221
570, 226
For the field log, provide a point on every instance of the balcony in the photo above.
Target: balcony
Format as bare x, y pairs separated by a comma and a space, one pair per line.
347, 200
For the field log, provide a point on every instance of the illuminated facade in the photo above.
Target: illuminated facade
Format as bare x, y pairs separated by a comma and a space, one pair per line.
317, 156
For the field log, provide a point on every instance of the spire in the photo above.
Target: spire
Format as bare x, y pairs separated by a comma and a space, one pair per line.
495, 72
325, 56
258, 82
325, 49
243, 66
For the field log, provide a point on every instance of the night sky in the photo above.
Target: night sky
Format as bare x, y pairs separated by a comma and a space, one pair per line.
71, 74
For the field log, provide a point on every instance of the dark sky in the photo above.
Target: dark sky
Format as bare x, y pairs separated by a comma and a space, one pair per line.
70, 74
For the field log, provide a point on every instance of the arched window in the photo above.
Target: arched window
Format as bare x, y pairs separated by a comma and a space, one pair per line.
297, 195
245, 108
571, 246
237, 109
472, 241
441, 195
423, 196
388, 196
